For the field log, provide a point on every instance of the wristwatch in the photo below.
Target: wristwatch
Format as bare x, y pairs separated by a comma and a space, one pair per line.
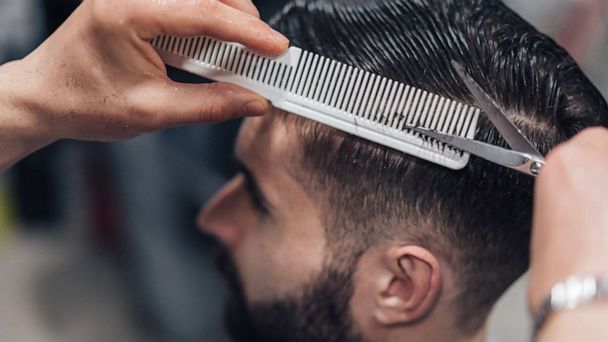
568, 294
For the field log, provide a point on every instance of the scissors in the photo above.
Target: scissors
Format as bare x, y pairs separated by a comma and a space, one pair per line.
523, 156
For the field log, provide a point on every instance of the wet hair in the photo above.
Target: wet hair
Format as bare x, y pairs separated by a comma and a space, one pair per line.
477, 219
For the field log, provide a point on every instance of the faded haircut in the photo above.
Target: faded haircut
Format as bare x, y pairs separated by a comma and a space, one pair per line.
477, 219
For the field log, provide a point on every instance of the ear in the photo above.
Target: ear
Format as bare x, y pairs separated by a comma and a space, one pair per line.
411, 288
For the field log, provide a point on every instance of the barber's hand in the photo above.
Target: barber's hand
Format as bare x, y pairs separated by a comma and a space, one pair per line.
570, 229
98, 78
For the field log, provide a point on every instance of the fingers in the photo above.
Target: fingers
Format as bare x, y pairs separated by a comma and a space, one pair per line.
243, 5
595, 138
588, 142
221, 21
169, 104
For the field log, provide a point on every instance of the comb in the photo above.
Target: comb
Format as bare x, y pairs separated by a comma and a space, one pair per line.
332, 93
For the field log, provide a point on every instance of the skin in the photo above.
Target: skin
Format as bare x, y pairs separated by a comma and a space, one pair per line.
570, 232
400, 290
277, 251
98, 78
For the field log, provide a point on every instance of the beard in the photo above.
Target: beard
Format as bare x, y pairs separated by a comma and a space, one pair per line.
320, 314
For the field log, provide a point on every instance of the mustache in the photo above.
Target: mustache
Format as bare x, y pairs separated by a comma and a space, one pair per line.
237, 316
225, 264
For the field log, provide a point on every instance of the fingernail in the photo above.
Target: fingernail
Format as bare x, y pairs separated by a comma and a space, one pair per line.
280, 38
254, 108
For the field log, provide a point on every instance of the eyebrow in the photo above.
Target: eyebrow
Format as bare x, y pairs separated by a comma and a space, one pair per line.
251, 181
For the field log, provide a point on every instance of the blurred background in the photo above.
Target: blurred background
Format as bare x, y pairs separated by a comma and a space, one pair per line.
98, 241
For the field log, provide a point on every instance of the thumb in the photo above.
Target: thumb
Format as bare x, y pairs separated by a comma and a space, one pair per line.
173, 104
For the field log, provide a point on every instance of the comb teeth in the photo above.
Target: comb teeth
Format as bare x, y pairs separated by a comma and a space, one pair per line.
333, 93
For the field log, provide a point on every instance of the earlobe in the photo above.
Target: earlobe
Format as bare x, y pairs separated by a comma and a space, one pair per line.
413, 289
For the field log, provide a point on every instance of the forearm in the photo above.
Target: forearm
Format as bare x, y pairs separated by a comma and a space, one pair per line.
570, 240
586, 323
21, 131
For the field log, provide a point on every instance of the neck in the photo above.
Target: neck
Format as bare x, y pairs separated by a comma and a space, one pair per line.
436, 331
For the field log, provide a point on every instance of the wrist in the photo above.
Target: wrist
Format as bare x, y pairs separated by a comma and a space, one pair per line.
21, 130
572, 293
544, 276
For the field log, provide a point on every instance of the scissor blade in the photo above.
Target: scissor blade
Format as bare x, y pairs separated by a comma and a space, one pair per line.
503, 124
494, 154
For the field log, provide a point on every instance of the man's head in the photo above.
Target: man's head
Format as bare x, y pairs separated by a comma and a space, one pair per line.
335, 238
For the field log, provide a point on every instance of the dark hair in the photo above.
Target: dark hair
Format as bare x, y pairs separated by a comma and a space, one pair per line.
477, 219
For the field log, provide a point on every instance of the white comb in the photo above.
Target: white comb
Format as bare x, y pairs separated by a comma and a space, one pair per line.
332, 93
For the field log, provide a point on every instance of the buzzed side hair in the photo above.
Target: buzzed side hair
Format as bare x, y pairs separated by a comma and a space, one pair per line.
478, 219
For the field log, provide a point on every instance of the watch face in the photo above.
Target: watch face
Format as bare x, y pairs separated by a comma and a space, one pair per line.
569, 294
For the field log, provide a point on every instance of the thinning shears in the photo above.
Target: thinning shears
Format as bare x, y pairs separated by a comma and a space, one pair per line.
523, 156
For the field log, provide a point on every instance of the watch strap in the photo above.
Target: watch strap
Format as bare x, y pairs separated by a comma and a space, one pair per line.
569, 294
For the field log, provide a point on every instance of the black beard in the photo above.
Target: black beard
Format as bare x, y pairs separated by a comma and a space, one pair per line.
321, 314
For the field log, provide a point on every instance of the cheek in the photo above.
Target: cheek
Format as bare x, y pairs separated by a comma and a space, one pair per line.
278, 258
258, 258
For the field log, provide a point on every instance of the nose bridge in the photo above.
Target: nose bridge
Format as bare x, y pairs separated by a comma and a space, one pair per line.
221, 215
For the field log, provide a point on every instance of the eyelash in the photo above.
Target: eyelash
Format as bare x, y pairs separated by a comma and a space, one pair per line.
257, 201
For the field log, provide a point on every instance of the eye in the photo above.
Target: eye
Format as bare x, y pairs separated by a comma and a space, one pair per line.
255, 196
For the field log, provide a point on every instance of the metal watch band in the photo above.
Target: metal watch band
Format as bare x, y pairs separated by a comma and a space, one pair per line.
569, 294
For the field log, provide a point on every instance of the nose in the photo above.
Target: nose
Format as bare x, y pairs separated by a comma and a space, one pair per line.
224, 215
